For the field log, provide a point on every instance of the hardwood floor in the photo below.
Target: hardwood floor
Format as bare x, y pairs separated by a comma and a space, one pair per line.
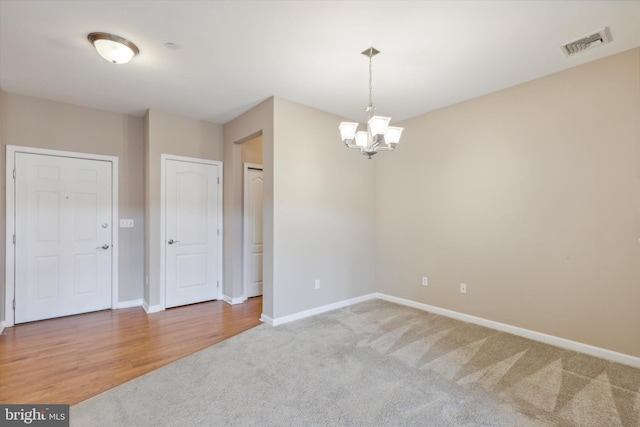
70, 359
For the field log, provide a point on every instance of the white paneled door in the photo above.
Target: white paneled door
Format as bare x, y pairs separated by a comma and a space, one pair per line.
253, 243
192, 221
63, 223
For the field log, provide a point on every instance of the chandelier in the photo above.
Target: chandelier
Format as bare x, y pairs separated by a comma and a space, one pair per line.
379, 135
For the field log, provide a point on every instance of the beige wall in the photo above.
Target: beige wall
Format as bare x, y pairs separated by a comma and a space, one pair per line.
2, 204
33, 122
181, 136
147, 211
531, 196
323, 212
319, 212
252, 151
257, 122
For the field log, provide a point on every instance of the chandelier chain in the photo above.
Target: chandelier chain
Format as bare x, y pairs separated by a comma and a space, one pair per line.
370, 85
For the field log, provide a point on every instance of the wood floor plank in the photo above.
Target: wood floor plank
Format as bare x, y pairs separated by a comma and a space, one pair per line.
70, 359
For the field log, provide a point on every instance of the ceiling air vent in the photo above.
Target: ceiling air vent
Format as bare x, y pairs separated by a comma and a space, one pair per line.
594, 40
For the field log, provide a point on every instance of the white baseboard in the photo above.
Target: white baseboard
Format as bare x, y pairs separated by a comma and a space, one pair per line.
130, 303
266, 319
233, 301
1, 326
151, 308
312, 312
579, 347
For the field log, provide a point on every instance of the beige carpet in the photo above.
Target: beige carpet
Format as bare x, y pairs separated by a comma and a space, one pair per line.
375, 364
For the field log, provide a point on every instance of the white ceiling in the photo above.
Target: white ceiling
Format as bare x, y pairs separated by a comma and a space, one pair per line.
235, 54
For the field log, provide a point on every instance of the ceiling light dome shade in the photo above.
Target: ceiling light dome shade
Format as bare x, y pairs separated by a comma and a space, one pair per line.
114, 49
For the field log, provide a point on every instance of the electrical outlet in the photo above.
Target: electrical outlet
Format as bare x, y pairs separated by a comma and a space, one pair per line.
317, 283
463, 288
425, 281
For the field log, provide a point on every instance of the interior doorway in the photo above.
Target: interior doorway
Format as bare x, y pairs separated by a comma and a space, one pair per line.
252, 214
252, 226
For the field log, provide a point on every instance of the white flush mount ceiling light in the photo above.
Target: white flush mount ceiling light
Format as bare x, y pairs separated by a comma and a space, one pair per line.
114, 49
379, 135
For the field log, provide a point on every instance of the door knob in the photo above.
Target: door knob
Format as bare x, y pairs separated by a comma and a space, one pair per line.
105, 246
171, 241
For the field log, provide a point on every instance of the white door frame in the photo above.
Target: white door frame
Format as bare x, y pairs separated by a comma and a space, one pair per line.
10, 225
163, 247
245, 219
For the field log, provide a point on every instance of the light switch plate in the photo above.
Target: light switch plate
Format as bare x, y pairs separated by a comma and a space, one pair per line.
126, 223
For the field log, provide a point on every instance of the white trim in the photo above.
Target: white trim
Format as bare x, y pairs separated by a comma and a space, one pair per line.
130, 303
591, 350
245, 219
10, 220
163, 182
151, 308
233, 301
266, 319
318, 310
1, 327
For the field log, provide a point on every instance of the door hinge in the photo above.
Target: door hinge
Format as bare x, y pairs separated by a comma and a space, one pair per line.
14, 239
14, 173
218, 284
218, 179
218, 231
14, 304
